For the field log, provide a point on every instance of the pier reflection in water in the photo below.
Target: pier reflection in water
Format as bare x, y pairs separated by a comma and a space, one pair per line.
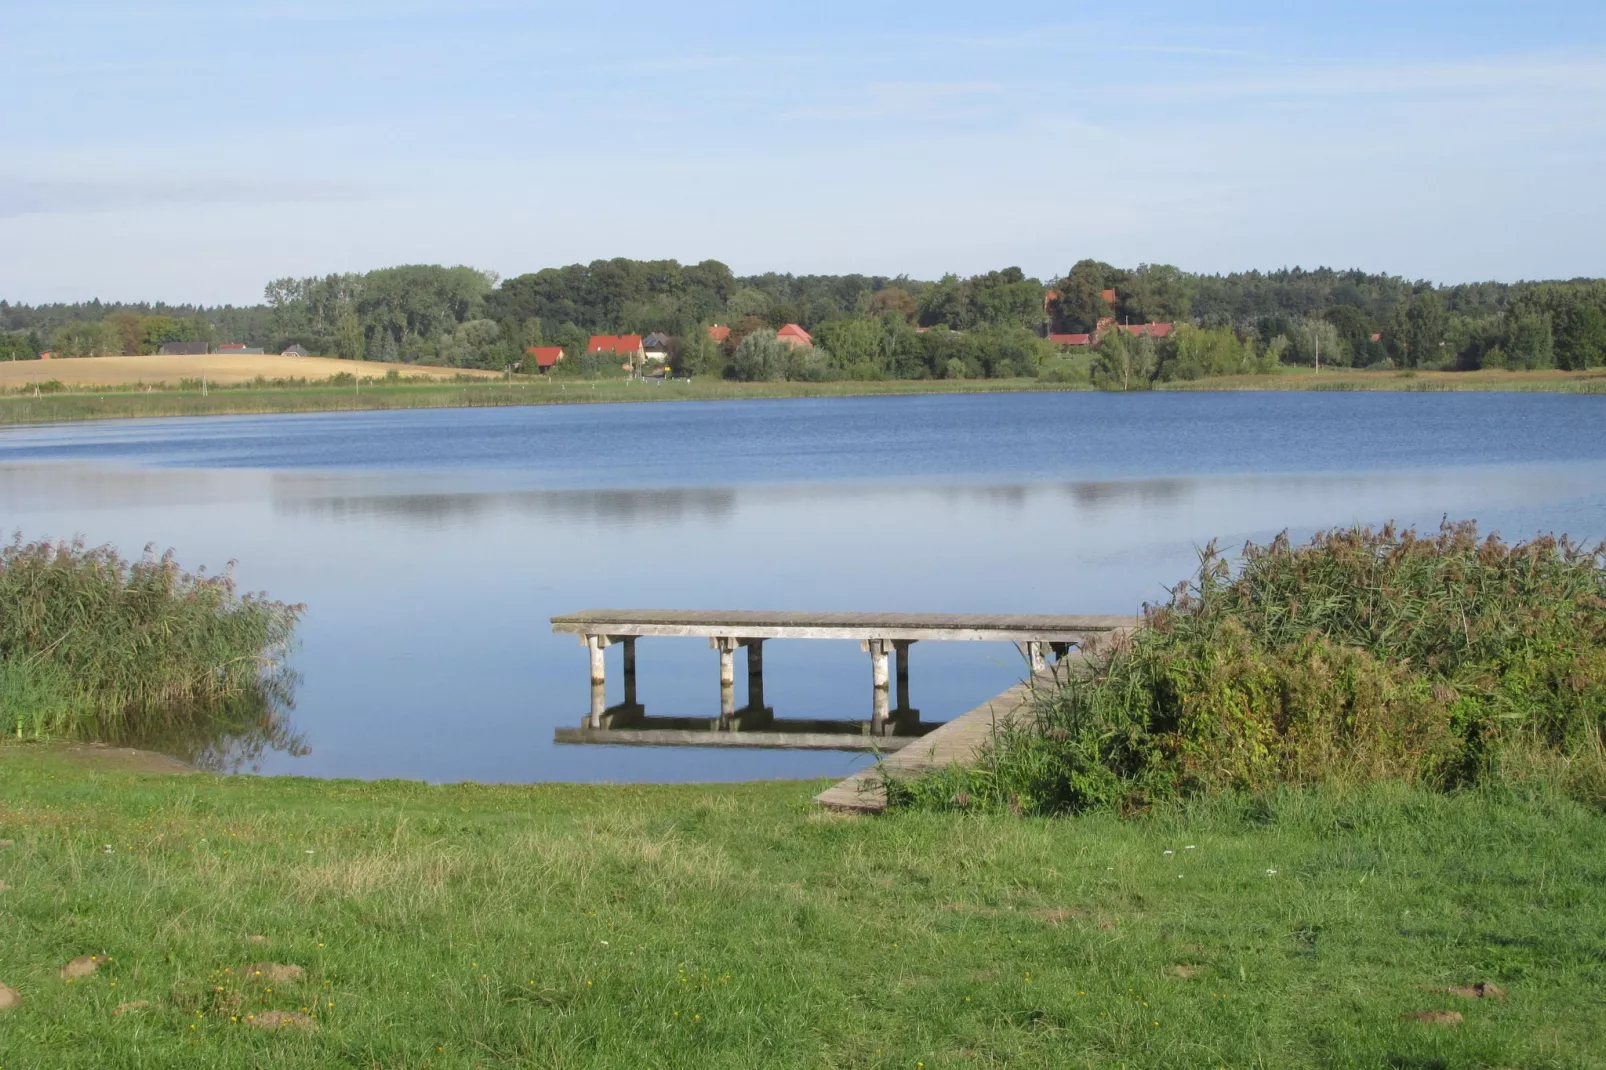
629, 724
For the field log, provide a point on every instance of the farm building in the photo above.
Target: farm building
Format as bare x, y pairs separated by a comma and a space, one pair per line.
544, 357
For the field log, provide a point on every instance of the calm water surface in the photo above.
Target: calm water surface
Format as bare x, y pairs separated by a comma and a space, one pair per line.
431, 547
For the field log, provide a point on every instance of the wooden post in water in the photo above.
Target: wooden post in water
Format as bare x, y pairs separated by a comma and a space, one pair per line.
599, 680
755, 673
878, 684
1034, 654
901, 648
727, 675
630, 669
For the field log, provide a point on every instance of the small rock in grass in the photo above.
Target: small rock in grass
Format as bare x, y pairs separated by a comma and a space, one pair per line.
1435, 1017
281, 1020
82, 966
9, 997
133, 1005
274, 973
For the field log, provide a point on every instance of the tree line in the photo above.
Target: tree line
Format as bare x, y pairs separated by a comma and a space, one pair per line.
997, 323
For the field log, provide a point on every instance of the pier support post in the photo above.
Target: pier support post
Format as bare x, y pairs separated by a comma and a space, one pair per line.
900, 647
755, 673
1034, 654
727, 675
596, 644
629, 642
878, 684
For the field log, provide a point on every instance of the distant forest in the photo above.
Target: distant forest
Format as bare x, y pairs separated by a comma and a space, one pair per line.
995, 324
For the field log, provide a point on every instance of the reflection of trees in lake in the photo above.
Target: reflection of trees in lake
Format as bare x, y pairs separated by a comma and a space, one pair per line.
604, 506
233, 735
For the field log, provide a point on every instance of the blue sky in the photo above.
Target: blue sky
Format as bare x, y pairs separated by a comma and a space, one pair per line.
190, 151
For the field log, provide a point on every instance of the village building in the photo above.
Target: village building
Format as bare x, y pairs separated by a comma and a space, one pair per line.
543, 358
623, 345
183, 349
240, 349
793, 335
655, 347
719, 332
295, 351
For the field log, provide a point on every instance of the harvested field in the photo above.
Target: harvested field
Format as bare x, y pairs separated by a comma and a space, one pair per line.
223, 369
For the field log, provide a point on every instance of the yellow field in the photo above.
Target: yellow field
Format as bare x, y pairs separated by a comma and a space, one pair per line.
221, 368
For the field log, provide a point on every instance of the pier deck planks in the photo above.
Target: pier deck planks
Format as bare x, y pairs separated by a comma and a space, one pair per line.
759, 624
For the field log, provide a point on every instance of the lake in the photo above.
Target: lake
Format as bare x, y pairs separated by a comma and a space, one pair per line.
431, 547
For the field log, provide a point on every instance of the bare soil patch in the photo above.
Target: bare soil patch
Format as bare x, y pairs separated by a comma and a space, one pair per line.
1188, 970
82, 966
103, 757
1445, 1018
9, 997
281, 1020
130, 1007
274, 973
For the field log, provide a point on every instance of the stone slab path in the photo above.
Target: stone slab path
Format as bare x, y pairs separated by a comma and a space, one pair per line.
954, 742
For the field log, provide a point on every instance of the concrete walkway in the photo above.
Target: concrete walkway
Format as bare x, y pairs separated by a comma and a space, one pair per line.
958, 741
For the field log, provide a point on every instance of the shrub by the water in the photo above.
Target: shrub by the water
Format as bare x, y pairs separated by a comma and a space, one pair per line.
93, 646
1363, 655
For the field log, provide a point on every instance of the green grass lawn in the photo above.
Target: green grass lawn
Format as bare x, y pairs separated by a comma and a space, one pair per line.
736, 926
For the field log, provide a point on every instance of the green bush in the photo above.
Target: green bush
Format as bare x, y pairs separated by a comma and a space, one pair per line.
96, 647
1361, 656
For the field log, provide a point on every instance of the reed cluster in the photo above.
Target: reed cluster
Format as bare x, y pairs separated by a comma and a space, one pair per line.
1361, 656
93, 646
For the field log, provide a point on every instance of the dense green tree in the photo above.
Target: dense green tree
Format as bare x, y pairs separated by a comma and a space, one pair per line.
943, 304
85, 338
1080, 304
18, 345
761, 357
1197, 352
1580, 327
349, 336
1528, 340
893, 299
1122, 362
1154, 293
1416, 334
696, 353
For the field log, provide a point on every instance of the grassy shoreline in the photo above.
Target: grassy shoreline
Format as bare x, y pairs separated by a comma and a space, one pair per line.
127, 403
735, 926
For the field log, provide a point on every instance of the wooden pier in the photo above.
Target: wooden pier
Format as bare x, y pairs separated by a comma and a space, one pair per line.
884, 636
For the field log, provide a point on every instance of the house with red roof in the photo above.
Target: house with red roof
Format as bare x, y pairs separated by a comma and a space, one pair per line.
793, 335
627, 346
1152, 330
545, 357
719, 332
1075, 340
